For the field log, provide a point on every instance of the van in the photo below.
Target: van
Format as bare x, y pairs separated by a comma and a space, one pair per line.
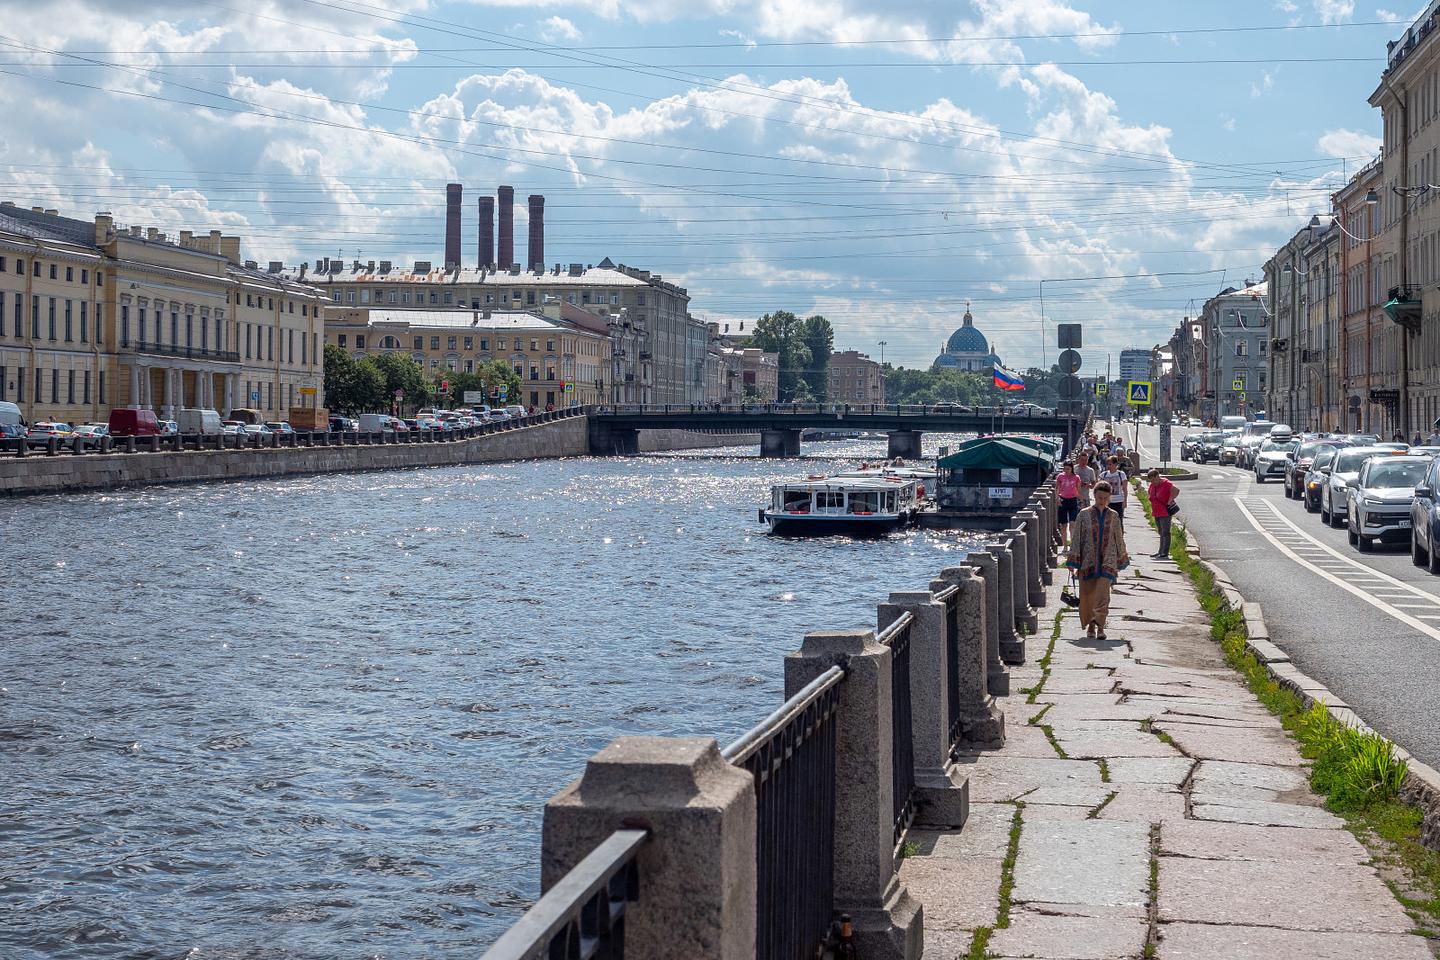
375, 423
10, 415
194, 420
246, 415
515, 410
133, 422
1232, 423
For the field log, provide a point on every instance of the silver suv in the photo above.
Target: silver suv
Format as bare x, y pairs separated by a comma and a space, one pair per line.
1339, 474
1379, 500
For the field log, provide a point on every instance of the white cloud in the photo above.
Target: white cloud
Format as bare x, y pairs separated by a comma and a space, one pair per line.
1388, 15
1334, 11
1227, 122
1265, 85
1347, 144
555, 29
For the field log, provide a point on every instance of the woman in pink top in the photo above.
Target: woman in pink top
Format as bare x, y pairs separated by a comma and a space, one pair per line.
1067, 488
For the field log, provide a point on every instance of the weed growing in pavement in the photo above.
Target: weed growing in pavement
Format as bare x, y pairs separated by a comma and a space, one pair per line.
909, 849
1049, 732
1031, 693
1104, 769
1095, 811
1035, 720
1358, 773
980, 938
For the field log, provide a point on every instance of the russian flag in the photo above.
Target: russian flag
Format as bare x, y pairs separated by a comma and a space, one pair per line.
1008, 379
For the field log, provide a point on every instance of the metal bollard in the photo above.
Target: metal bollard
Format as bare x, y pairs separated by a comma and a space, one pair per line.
52, 446
21, 446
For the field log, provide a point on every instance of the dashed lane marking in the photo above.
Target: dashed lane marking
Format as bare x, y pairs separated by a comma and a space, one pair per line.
1275, 522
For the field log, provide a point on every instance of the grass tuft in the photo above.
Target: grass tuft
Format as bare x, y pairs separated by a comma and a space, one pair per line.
1104, 769
1049, 732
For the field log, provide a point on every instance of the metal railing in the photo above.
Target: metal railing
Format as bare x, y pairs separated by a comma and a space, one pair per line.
791, 755
583, 915
172, 350
902, 744
950, 597
917, 409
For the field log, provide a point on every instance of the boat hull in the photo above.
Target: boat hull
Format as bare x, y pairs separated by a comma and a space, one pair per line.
810, 525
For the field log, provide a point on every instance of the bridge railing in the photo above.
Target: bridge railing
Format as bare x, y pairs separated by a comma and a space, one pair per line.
813, 409
754, 852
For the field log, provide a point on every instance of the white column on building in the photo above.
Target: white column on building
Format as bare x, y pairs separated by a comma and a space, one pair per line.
135, 385
170, 408
231, 380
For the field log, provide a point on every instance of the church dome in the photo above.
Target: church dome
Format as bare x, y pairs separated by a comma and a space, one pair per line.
967, 339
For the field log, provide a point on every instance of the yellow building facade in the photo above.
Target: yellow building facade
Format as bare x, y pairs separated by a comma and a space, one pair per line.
113, 317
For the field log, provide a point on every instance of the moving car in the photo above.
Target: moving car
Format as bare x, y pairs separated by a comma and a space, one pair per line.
1299, 464
1378, 502
1314, 482
1425, 520
1207, 448
1229, 449
1339, 475
1273, 457
1252, 435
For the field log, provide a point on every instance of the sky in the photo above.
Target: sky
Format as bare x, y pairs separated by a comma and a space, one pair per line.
881, 162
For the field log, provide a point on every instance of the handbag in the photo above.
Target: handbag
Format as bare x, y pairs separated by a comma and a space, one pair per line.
1172, 508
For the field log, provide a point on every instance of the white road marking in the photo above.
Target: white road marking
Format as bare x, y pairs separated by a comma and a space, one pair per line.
1417, 622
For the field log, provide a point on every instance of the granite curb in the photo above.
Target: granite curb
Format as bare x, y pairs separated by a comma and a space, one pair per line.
1422, 782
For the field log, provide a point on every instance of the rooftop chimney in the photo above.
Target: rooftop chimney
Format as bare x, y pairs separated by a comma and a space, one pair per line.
506, 253
487, 232
230, 248
537, 233
452, 225
104, 228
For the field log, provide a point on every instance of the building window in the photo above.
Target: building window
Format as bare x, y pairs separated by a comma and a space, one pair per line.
87, 386
189, 331
469, 366
69, 274
36, 272
174, 328
534, 343
1239, 348
359, 341
70, 386
270, 343
54, 275
469, 343
102, 374
529, 297
335, 296
449, 297
391, 297
434, 298
534, 373
54, 377
434, 343
484, 343
450, 343
85, 323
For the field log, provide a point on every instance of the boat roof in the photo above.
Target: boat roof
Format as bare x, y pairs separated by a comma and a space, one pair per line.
914, 473
990, 453
847, 483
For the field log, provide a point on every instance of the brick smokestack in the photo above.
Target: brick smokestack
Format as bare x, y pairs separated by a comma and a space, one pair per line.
487, 232
537, 232
452, 225
507, 227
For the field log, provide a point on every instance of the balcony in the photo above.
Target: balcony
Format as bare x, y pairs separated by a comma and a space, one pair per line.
189, 353
1403, 306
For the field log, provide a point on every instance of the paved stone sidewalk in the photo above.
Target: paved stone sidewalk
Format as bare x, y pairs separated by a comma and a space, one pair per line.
1158, 805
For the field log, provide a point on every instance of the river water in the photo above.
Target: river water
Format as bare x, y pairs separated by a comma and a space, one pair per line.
318, 717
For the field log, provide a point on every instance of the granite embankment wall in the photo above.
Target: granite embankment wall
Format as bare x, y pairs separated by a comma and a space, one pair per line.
40, 474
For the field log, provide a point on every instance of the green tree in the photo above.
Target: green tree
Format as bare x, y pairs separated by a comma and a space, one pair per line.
368, 393
779, 333
486, 378
819, 339
352, 385
399, 371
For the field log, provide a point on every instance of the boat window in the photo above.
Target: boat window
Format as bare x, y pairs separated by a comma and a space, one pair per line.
864, 502
797, 501
829, 500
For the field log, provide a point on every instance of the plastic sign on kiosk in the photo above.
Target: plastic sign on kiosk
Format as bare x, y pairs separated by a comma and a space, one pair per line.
1137, 392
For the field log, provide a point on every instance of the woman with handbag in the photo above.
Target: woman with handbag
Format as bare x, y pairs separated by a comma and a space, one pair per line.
1097, 554
1162, 494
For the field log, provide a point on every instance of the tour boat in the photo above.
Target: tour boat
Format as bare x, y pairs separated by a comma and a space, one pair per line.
820, 506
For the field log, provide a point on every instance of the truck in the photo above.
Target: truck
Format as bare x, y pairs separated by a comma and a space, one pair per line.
310, 419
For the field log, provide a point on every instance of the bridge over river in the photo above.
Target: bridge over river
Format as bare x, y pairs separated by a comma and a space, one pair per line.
616, 429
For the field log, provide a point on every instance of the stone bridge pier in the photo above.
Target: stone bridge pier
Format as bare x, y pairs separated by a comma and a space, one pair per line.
780, 443
606, 441
904, 443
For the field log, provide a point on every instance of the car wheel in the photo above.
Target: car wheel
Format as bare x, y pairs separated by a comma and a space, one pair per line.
1364, 543
1432, 559
1324, 514
1350, 533
1417, 556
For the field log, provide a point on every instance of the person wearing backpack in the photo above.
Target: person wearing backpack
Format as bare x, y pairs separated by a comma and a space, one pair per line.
1162, 494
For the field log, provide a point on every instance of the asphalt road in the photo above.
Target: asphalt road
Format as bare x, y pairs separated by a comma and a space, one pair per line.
1367, 625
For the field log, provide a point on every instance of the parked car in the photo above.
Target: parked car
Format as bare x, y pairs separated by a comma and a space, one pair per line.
13, 431
133, 422
168, 428
374, 422
1425, 520
232, 427
1339, 475
256, 429
91, 434
279, 426
1229, 450
343, 425
197, 420
1378, 502
40, 433
1314, 482
1298, 465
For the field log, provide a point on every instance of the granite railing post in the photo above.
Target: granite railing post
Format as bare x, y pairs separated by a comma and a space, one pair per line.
697, 872
942, 793
987, 565
1026, 619
888, 922
1037, 564
1012, 645
982, 723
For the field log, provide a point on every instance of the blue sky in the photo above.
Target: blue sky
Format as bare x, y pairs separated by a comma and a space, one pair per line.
880, 162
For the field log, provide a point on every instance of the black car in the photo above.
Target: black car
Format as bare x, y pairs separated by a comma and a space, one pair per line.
1206, 446
1299, 464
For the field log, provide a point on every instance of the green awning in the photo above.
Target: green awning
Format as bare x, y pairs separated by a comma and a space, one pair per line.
1402, 310
993, 453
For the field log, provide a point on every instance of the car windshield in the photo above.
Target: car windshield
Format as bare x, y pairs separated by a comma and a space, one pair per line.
1401, 474
1307, 449
1270, 446
1351, 460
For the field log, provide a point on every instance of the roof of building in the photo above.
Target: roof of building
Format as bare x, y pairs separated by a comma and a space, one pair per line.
605, 274
967, 339
40, 225
464, 319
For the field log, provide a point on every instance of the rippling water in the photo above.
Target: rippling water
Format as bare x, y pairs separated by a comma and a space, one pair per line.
317, 718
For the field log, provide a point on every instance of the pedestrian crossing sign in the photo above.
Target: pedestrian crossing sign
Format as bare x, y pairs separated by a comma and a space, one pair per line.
1138, 392
1101, 388
1237, 384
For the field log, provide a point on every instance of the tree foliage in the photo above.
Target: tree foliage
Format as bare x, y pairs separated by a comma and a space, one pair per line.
819, 339
971, 389
487, 377
803, 351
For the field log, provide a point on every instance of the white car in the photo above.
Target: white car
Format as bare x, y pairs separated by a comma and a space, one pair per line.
1272, 458
1340, 473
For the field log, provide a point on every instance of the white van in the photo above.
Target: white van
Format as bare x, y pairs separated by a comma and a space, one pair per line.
196, 420
1232, 423
10, 415
375, 423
